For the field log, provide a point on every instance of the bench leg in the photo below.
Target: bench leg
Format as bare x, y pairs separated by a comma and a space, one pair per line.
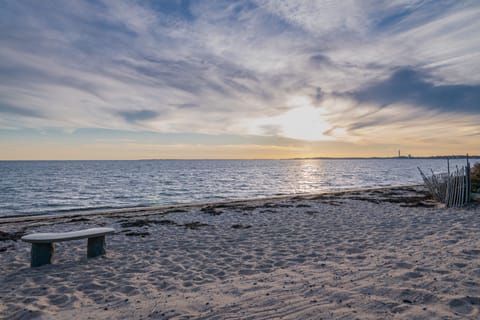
96, 246
42, 253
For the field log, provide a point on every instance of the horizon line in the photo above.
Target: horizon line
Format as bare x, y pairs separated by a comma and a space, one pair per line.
253, 159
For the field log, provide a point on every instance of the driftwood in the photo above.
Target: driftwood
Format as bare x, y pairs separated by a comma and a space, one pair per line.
451, 188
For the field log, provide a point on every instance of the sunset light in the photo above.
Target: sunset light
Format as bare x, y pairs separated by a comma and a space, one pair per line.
316, 77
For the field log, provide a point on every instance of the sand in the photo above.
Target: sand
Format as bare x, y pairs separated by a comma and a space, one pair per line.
373, 254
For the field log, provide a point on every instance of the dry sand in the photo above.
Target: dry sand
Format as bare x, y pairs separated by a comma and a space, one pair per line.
375, 254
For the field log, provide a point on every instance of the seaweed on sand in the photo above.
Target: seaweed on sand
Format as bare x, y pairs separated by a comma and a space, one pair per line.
194, 225
141, 223
4, 236
211, 210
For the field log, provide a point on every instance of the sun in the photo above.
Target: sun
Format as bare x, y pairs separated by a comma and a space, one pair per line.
303, 122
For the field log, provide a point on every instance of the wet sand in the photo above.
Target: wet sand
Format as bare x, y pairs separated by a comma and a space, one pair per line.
372, 254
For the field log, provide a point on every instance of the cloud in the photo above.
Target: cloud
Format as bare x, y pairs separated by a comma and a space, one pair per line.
233, 68
408, 86
18, 111
321, 17
136, 116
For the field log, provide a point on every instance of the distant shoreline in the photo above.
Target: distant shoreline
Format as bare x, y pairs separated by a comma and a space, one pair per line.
390, 158
260, 159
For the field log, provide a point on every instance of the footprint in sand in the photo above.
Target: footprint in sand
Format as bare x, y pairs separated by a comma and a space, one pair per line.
59, 299
472, 252
403, 265
460, 264
464, 305
412, 275
476, 272
417, 297
246, 272
353, 250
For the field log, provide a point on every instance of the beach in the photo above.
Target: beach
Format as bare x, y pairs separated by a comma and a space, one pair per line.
389, 253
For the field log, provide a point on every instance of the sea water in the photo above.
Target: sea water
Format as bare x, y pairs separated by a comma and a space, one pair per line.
59, 187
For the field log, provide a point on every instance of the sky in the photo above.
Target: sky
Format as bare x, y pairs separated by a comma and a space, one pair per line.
120, 79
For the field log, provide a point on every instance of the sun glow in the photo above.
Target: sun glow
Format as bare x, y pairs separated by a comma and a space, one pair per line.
304, 122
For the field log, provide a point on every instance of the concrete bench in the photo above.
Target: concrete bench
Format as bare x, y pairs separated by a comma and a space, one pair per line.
43, 250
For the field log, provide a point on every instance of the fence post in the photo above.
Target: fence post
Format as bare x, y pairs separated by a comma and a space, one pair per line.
469, 182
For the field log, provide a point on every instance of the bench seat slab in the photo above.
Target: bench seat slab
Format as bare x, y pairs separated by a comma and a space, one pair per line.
66, 236
41, 254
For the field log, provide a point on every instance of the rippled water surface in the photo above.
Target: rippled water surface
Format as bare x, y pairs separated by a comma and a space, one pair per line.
41, 187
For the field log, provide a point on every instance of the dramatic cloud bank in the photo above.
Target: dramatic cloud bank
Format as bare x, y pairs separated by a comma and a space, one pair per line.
360, 72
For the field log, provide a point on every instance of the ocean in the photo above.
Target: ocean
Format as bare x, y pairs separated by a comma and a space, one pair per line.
63, 187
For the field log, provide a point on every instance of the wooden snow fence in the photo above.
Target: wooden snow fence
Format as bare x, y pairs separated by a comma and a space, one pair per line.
451, 188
